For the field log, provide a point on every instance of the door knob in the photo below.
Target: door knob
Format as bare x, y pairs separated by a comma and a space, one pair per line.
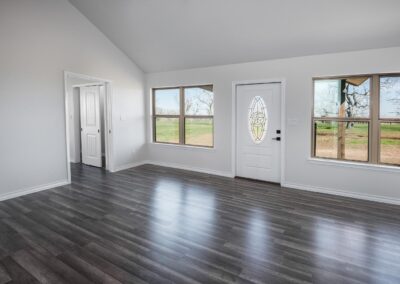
277, 138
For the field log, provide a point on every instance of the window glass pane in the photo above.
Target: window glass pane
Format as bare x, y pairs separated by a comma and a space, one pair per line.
390, 97
167, 101
167, 130
199, 131
356, 141
390, 143
342, 140
348, 97
357, 97
326, 138
199, 101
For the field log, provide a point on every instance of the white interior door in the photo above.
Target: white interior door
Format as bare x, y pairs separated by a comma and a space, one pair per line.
91, 126
258, 128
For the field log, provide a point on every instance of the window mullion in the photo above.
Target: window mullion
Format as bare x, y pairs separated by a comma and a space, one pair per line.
153, 109
182, 117
341, 138
374, 135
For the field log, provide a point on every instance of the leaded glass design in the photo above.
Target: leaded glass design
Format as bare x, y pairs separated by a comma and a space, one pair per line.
258, 119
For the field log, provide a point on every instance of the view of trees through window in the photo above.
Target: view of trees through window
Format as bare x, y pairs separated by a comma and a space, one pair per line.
184, 115
357, 119
390, 120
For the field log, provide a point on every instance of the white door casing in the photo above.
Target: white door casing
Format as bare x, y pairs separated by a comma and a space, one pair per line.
91, 126
258, 125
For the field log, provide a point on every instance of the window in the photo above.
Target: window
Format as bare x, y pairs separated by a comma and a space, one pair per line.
389, 122
184, 115
357, 118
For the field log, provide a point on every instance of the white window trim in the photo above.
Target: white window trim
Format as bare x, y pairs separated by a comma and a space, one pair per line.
355, 165
183, 146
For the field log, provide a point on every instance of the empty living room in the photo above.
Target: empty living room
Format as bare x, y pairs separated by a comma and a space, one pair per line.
188, 141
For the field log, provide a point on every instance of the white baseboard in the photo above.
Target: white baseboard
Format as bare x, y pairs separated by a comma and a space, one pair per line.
330, 191
127, 166
292, 185
32, 190
343, 193
193, 169
172, 165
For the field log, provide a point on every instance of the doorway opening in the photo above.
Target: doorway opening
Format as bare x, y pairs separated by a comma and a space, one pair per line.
88, 121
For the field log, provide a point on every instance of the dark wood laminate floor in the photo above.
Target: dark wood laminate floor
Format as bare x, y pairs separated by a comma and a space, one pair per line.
158, 225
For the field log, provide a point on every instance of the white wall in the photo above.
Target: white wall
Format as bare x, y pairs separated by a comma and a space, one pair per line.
39, 40
298, 73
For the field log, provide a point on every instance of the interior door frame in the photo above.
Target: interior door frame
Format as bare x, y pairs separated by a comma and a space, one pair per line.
235, 84
108, 135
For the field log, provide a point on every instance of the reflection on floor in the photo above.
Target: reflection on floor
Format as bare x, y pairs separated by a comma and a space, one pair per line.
158, 225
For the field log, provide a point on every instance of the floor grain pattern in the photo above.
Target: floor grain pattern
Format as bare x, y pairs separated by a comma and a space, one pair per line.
152, 224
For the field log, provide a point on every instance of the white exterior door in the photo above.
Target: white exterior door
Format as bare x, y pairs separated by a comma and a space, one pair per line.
258, 128
91, 126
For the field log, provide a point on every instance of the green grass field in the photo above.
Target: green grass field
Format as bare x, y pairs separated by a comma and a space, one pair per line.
200, 132
167, 130
356, 142
390, 132
197, 131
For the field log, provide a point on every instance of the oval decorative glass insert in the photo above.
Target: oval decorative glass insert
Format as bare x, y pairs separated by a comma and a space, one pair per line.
258, 119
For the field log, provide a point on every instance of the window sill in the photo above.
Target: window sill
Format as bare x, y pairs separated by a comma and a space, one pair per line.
183, 147
355, 165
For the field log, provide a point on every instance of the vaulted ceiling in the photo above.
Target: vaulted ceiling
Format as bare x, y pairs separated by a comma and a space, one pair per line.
162, 35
